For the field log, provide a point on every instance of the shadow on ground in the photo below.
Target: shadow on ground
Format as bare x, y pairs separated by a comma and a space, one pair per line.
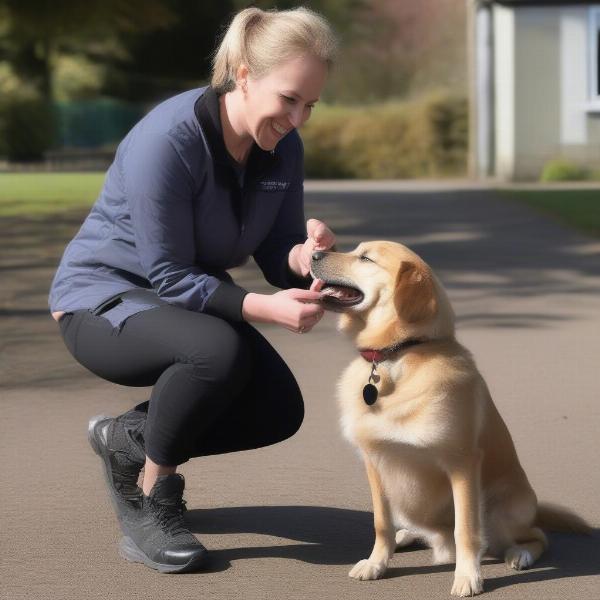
496, 243
332, 536
338, 536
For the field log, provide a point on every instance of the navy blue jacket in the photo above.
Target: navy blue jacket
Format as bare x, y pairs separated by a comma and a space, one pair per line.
176, 211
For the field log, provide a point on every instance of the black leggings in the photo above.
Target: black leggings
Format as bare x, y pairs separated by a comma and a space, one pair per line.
218, 386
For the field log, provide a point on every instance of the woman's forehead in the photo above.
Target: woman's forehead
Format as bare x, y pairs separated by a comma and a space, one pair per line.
303, 76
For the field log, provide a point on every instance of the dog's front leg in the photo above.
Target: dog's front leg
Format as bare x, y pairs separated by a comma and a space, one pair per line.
465, 481
385, 534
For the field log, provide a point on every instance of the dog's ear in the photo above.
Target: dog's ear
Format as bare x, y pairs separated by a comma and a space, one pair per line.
414, 295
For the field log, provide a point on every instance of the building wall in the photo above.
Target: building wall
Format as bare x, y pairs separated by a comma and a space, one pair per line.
537, 89
580, 116
541, 89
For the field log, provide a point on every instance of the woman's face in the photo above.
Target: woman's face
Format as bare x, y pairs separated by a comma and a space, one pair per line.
282, 99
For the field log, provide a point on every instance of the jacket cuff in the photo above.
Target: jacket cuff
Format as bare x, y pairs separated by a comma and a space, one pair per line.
226, 302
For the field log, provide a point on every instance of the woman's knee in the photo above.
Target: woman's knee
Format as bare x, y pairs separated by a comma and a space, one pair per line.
286, 412
295, 419
219, 352
296, 414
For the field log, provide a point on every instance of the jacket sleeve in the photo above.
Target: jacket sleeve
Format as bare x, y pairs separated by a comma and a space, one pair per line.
288, 230
160, 191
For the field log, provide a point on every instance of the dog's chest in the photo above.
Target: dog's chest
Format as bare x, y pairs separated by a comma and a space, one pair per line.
394, 417
415, 486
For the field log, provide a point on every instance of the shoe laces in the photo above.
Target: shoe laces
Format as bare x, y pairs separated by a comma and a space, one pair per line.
170, 516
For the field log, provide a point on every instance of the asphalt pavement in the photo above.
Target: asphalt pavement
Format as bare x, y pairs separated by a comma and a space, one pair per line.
290, 520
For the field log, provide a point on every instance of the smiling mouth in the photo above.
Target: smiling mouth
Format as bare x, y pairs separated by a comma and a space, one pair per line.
280, 130
339, 297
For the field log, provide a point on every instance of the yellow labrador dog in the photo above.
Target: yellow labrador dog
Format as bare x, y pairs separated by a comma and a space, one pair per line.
440, 461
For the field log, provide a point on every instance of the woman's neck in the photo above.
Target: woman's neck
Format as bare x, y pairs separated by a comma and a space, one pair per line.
238, 140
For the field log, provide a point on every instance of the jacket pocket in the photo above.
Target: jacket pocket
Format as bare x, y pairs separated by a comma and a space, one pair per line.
118, 312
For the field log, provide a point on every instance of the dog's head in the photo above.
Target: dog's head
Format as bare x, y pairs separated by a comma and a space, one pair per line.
385, 292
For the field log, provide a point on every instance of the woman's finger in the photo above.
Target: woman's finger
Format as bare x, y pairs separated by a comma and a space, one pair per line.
316, 285
305, 295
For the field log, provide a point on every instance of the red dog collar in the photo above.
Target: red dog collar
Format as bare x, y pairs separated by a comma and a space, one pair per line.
376, 356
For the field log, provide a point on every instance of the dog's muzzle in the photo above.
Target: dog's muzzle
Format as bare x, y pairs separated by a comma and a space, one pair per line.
339, 293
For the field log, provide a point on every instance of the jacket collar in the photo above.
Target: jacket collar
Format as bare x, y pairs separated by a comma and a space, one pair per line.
207, 113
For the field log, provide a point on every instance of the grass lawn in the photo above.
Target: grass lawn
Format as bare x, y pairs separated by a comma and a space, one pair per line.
46, 194
579, 209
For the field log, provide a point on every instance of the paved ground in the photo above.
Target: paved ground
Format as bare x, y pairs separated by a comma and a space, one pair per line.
290, 520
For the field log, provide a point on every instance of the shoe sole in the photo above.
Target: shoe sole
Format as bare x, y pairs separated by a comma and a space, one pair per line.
131, 552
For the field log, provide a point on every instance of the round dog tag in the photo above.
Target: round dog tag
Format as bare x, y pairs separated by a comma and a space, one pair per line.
370, 394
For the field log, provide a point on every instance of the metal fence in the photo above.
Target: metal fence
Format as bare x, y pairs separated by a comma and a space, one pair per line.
94, 123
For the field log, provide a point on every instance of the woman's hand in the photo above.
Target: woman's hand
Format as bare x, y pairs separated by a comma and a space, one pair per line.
320, 237
295, 309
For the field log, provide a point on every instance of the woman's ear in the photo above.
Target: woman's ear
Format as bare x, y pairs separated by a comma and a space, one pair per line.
242, 77
414, 296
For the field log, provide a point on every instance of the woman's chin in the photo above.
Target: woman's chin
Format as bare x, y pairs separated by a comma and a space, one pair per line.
267, 146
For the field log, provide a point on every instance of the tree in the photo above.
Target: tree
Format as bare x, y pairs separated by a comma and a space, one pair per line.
35, 31
165, 61
398, 47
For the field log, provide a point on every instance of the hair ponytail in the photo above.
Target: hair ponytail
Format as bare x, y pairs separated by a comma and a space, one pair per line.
263, 39
231, 52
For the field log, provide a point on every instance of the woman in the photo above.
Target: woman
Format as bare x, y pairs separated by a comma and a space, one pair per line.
142, 295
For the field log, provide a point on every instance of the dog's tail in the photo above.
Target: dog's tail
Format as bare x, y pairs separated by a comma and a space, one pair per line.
552, 517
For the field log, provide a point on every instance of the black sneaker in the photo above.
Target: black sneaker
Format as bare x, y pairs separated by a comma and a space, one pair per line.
156, 534
119, 443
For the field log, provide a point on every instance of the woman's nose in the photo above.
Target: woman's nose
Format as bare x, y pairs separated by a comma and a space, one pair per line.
295, 117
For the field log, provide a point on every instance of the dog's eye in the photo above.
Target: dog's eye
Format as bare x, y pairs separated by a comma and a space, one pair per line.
365, 258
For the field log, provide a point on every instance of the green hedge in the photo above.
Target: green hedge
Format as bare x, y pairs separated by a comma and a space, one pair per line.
561, 169
422, 138
27, 128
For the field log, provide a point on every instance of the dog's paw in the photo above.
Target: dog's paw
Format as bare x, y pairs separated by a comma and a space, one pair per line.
366, 569
404, 538
467, 585
518, 558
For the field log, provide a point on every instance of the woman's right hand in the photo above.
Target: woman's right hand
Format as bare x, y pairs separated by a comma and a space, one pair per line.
295, 309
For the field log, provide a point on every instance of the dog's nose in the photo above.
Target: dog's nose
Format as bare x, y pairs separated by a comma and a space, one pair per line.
317, 256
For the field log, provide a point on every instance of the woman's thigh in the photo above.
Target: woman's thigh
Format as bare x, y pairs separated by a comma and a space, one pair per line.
152, 340
263, 405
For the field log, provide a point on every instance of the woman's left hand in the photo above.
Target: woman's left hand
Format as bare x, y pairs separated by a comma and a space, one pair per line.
320, 237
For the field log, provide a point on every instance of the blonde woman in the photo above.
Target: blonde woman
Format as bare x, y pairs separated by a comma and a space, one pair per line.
142, 295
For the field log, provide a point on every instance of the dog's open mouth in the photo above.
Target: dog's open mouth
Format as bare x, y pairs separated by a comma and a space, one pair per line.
336, 296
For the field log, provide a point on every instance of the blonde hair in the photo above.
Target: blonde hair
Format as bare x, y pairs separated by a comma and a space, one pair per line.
264, 39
